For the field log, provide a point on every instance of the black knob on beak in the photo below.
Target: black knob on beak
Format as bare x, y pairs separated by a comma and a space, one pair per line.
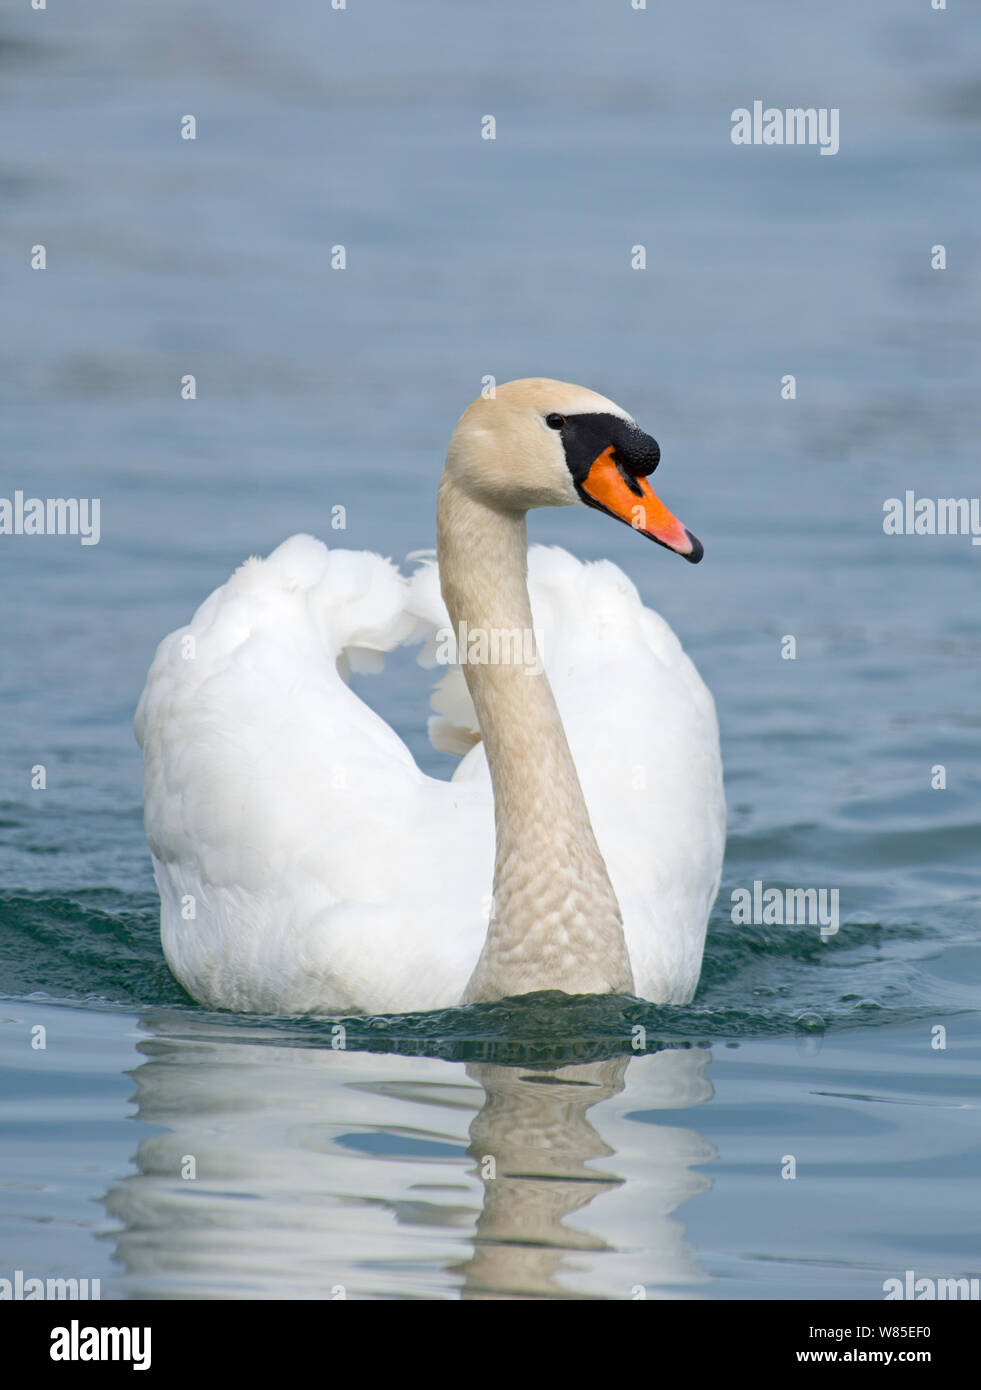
638, 454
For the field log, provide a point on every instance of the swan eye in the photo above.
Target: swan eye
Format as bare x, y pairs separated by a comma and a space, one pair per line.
555, 422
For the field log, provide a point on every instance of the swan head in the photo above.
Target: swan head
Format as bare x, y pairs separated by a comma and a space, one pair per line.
542, 443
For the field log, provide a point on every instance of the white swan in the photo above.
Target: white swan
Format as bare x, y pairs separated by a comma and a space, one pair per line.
306, 864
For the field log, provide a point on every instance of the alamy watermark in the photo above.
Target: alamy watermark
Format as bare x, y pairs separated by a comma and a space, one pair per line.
78, 1343
927, 1289
792, 125
495, 646
51, 516
910, 515
29, 1288
789, 907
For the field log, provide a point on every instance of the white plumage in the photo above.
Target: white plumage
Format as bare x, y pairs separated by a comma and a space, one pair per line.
304, 861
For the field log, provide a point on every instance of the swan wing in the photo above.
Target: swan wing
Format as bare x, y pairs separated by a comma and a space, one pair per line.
304, 861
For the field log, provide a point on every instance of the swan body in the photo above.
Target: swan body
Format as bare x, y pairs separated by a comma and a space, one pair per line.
306, 864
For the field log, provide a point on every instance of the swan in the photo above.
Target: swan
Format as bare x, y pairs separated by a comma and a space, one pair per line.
305, 864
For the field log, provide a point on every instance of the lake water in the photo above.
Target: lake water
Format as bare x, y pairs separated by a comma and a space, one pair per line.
368, 1169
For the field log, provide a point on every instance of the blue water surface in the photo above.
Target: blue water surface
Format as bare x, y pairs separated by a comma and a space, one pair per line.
525, 1149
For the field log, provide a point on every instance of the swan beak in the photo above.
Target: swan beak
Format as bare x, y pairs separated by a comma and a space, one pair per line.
632, 500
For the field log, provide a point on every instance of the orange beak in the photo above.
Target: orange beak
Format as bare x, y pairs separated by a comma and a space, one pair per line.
632, 500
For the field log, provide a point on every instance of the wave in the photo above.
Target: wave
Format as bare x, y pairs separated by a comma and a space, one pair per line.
102, 949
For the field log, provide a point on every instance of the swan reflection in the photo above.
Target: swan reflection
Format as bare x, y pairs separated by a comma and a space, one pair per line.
284, 1170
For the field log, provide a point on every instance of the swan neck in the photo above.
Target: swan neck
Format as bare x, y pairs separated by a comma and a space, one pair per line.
555, 922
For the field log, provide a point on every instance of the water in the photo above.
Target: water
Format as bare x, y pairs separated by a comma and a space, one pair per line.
367, 1168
